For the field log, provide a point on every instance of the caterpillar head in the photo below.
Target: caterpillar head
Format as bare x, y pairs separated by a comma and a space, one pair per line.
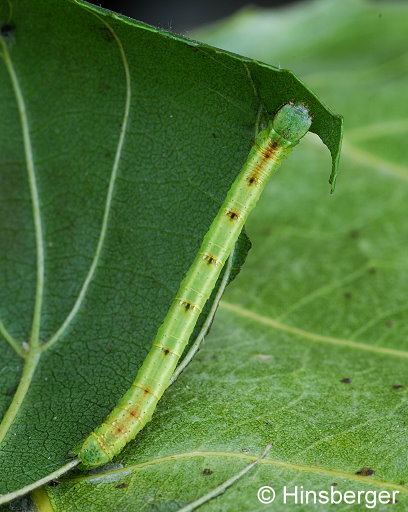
292, 121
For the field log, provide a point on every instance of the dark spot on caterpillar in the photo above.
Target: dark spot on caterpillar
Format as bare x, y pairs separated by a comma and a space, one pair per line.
133, 413
207, 472
252, 179
188, 306
107, 34
233, 215
209, 258
354, 233
397, 386
346, 380
388, 323
166, 351
269, 150
118, 429
7, 30
53, 483
121, 486
365, 472
348, 295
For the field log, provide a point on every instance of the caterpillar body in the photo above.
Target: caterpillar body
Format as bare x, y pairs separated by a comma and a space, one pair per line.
290, 123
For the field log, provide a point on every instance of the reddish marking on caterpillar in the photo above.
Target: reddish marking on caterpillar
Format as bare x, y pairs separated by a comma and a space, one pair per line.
232, 214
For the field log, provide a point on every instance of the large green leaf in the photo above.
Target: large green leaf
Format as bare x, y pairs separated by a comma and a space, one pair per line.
322, 298
119, 143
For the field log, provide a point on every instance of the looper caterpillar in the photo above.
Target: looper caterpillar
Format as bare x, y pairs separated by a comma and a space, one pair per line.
135, 408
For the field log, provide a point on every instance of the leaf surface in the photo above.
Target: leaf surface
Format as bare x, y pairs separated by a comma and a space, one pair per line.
119, 143
309, 347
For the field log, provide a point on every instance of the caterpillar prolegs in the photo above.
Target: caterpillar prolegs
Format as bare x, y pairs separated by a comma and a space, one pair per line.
290, 123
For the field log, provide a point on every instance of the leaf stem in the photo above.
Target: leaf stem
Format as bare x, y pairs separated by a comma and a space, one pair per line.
5, 498
35, 329
31, 361
15, 345
224, 486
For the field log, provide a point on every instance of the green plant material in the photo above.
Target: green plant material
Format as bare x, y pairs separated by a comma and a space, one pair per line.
309, 347
119, 143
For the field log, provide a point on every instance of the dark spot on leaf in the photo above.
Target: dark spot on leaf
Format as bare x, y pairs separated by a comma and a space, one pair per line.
121, 486
365, 472
7, 30
348, 295
354, 233
397, 386
245, 450
267, 423
346, 380
214, 135
53, 483
334, 484
372, 270
107, 34
388, 323
207, 472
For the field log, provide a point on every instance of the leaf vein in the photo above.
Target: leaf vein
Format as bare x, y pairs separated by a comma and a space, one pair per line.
109, 197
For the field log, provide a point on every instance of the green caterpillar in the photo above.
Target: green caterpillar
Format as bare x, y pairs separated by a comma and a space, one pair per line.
290, 123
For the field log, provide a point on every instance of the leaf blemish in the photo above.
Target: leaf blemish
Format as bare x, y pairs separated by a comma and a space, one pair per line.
107, 34
364, 471
354, 233
397, 386
346, 380
207, 472
121, 486
7, 30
